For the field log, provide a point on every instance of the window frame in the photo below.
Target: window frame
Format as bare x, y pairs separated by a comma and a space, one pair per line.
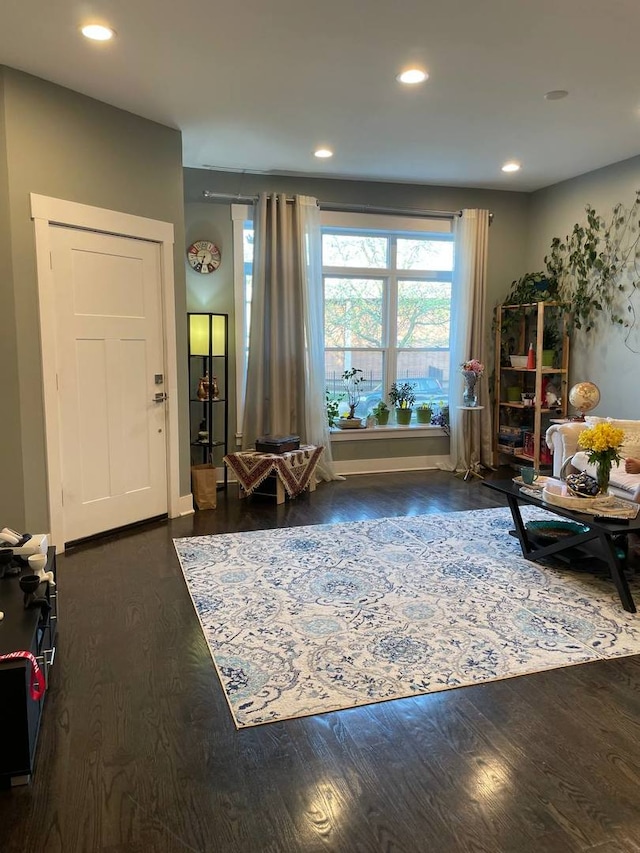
393, 228
403, 226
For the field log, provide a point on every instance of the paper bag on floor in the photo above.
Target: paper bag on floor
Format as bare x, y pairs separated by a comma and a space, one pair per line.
204, 485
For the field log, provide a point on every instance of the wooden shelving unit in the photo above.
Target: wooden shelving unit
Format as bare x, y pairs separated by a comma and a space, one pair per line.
520, 428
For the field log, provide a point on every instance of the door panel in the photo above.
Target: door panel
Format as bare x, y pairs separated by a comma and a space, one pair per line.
109, 347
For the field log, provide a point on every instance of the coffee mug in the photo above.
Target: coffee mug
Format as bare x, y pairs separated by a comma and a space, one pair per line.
529, 475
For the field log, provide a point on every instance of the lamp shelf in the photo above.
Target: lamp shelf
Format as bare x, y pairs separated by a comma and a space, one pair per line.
207, 444
208, 360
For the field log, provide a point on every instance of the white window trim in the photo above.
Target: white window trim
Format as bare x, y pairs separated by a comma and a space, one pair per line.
398, 225
386, 432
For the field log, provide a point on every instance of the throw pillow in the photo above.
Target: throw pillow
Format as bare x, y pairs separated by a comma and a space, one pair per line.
631, 441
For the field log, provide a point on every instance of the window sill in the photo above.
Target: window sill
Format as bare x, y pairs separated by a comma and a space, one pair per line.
391, 431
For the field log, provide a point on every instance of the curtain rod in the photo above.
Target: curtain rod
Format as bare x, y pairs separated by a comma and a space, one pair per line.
340, 206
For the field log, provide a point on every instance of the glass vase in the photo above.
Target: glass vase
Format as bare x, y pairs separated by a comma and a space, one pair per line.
469, 397
603, 474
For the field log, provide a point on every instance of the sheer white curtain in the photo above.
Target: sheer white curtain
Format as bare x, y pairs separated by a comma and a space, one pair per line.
469, 339
285, 372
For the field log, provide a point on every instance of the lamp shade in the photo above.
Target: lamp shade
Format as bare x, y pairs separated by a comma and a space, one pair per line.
219, 347
201, 328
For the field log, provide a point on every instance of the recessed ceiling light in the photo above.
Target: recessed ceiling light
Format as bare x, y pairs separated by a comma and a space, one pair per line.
412, 76
556, 95
97, 32
323, 153
511, 166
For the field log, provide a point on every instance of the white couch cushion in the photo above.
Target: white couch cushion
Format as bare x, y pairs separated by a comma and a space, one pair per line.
631, 441
627, 483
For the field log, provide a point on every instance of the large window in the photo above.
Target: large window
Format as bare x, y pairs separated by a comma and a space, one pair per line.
387, 299
387, 303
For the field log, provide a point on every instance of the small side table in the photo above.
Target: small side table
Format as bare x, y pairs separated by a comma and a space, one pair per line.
471, 469
294, 470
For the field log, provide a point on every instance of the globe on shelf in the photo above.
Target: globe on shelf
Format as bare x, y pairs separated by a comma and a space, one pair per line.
584, 396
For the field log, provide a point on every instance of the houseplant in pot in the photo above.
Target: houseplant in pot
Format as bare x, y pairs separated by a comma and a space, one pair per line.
351, 379
424, 413
402, 398
332, 406
381, 413
441, 417
551, 340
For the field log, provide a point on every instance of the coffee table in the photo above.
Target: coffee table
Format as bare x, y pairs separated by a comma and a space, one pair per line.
601, 531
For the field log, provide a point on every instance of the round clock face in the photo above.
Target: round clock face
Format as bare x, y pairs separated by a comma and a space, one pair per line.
203, 256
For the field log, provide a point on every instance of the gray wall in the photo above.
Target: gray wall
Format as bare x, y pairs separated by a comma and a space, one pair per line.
214, 292
62, 144
12, 493
508, 237
600, 355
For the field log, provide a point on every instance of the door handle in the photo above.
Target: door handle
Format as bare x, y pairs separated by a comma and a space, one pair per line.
160, 397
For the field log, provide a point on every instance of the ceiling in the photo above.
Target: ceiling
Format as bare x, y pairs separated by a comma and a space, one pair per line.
258, 86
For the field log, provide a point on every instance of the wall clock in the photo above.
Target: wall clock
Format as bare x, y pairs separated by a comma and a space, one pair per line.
203, 256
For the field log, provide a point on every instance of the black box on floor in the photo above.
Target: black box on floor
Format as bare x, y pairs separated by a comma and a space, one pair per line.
277, 443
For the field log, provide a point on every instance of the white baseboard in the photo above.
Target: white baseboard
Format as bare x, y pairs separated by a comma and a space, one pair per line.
185, 505
386, 466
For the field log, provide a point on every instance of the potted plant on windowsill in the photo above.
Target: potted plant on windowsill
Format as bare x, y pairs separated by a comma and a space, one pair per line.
381, 413
441, 417
332, 406
351, 379
424, 413
401, 396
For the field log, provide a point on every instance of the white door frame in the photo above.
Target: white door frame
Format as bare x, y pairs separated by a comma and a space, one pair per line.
46, 211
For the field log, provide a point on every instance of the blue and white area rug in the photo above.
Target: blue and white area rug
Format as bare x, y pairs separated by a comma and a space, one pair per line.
304, 620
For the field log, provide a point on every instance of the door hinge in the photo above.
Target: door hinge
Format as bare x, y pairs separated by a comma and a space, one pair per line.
50, 260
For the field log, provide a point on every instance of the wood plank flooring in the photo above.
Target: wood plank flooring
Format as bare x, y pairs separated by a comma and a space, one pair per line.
138, 752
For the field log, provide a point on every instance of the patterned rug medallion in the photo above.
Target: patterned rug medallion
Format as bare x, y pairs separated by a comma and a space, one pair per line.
305, 620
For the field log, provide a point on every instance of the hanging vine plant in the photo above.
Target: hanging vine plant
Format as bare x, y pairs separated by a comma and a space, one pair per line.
596, 268
530, 288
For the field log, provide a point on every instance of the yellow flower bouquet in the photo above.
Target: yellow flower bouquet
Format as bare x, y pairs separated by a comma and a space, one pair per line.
602, 444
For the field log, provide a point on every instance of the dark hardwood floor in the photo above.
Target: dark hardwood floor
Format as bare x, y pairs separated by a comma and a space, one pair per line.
138, 751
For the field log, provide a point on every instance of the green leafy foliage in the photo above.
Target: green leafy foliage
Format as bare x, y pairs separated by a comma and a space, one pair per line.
379, 408
441, 417
332, 404
352, 379
596, 267
532, 287
401, 395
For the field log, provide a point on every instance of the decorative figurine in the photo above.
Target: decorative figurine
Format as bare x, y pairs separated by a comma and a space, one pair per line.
203, 433
203, 387
215, 389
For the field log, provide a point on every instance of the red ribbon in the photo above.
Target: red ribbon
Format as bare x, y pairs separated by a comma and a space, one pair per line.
37, 685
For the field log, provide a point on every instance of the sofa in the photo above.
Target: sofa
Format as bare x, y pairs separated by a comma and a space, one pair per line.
562, 440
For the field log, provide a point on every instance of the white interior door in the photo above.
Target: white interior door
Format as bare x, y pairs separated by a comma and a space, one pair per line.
109, 348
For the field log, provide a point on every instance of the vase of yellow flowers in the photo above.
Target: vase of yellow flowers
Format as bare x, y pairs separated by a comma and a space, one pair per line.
471, 371
602, 444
